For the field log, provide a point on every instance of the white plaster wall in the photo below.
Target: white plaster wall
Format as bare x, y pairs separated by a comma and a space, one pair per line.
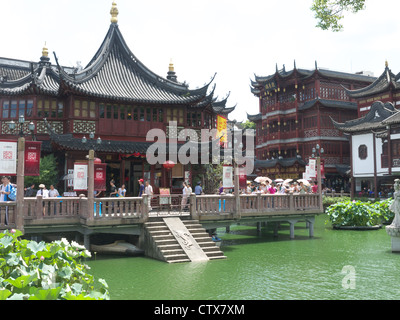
363, 168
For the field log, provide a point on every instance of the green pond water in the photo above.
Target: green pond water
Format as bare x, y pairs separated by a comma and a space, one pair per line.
260, 267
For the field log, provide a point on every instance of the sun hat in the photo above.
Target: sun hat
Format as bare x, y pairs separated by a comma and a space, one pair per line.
141, 180
42, 185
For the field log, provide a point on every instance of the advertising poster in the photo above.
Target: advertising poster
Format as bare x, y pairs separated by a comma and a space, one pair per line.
8, 158
222, 129
227, 177
32, 158
80, 176
100, 176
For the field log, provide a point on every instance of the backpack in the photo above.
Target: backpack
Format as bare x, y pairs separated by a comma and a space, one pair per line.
13, 193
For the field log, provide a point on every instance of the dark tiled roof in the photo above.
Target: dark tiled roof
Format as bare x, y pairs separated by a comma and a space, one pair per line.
329, 104
373, 120
115, 72
283, 162
381, 84
254, 117
305, 74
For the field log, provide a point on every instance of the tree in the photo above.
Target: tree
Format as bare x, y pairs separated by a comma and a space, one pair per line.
248, 125
48, 172
330, 12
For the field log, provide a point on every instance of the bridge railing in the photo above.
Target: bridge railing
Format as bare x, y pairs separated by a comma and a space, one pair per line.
118, 207
214, 204
49, 208
7, 215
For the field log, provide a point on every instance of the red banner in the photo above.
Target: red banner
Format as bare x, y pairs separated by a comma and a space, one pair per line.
100, 176
242, 178
32, 158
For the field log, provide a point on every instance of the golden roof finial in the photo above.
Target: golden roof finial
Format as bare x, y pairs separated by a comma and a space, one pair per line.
114, 13
45, 51
386, 64
171, 66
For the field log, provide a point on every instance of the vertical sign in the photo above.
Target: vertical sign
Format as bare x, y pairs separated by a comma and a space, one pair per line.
222, 129
242, 178
70, 182
227, 177
100, 176
313, 168
8, 158
80, 176
32, 158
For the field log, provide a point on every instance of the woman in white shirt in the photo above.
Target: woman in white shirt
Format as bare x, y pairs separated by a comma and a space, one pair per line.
42, 191
149, 191
185, 194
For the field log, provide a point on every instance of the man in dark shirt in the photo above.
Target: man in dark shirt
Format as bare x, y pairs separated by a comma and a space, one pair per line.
30, 191
141, 187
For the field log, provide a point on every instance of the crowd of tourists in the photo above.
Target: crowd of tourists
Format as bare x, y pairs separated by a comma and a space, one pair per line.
281, 188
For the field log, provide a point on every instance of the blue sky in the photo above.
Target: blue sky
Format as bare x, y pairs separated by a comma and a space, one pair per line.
235, 39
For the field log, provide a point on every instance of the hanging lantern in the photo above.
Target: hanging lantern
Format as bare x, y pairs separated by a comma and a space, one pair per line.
169, 164
97, 160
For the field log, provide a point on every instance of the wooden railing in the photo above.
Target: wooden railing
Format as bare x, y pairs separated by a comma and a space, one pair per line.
7, 215
117, 207
66, 210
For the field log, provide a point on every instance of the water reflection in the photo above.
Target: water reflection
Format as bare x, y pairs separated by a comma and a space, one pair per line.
259, 266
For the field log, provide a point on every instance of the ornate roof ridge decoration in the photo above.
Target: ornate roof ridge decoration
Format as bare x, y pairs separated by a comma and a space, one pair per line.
41, 78
306, 74
373, 120
382, 83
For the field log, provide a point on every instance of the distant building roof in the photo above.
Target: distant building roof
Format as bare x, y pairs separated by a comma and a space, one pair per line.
373, 120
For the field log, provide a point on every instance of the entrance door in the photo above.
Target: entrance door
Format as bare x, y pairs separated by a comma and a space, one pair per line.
136, 174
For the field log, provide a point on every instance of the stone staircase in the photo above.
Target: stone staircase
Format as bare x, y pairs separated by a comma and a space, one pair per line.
162, 244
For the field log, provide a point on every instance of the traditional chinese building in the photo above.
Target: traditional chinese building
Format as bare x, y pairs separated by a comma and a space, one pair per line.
295, 111
115, 97
375, 135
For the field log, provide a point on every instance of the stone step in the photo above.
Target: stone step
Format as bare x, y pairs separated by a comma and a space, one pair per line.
214, 253
178, 256
166, 242
217, 257
169, 246
166, 252
202, 238
157, 228
207, 248
179, 261
160, 232
209, 243
163, 237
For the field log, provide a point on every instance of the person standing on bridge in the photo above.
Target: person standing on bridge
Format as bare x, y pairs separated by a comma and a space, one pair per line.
141, 187
185, 195
149, 191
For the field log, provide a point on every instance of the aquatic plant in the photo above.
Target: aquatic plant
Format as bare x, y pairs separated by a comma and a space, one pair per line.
46, 271
359, 213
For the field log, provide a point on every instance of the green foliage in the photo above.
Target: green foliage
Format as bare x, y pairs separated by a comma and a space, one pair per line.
46, 271
212, 177
48, 172
330, 12
327, 201
359, 213
249, 125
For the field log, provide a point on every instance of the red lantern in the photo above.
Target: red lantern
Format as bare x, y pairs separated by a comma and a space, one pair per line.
97, 160
169, 164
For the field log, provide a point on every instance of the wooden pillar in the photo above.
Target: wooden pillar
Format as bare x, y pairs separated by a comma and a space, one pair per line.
321, 207
20, 184
375, 173
389, 141
90, 213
